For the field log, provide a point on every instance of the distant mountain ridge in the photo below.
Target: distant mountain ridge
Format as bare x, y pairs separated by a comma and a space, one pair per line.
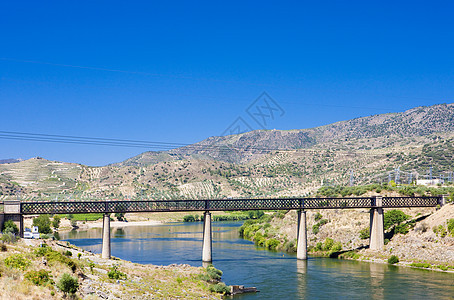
10, 160
241, 148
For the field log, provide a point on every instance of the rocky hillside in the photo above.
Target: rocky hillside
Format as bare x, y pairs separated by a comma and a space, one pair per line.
362, 151
373, 132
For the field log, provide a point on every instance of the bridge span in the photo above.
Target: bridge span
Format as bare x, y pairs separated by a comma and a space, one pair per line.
15, 210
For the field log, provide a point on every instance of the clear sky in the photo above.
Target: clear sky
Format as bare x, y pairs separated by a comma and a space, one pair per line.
183, 71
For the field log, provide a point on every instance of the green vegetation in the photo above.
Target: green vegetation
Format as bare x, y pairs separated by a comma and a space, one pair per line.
393, 260
40, 278
350, 255
9, 238
220, 288
316, 227
17, 261
191, 218
43, 223
68, 284
451, 227
10, 227
364, 233
120, 216
54, 257
213, 276
233, 216
393, 217
84, 217
56, 221
421, 265
114, 273
327, 248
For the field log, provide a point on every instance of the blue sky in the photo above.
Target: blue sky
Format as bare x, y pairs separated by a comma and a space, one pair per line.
183, 71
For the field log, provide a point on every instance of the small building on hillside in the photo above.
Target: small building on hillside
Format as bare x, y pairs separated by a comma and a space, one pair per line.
428, 182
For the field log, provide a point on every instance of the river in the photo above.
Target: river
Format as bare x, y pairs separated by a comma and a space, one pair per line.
277, 275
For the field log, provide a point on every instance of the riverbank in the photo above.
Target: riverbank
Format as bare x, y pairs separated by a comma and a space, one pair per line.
96, 277
423, 240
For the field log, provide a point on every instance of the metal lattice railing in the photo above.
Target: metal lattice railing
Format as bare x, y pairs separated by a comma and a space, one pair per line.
66, 207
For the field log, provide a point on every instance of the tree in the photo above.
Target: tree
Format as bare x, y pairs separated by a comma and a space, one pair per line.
393, 217
56, 221
10, 226
43, 223
120, 216
68, 284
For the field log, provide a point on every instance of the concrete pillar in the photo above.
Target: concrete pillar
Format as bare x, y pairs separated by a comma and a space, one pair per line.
206, 247
301, 250
377, 235
12, 212
106, 236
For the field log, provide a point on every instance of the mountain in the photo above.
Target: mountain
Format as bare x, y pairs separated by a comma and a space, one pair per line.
10, 161
399, 146
385, 130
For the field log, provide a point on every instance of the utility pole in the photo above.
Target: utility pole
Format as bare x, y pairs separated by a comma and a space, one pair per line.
410, 178
430, 173
397, 175
351, 178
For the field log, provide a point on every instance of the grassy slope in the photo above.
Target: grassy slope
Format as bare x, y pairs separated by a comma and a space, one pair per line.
143, 281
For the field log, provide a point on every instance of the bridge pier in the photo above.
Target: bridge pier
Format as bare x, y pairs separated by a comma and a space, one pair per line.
301, 250
206, 247
377, 236
106, 236
11, 211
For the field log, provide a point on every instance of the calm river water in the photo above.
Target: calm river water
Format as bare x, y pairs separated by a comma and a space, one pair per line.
277, 275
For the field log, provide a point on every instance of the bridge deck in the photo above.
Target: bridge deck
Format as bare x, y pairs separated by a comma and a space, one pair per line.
75, 207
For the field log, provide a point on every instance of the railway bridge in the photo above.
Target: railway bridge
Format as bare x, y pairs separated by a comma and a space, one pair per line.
15, 210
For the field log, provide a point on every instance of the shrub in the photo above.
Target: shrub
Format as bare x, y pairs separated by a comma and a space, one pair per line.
393, 217
328, 244
189, 218
54, 256
315, 228
213, 273
40, 278
91, 265
350, 254
10, 227
43, 223
56, 235
364, 233
56, 221
272, 244
442, 231
17, 261
68, 284
115, 274
318, 216
67, 253
3, 247
451, 226
401, 228
336, 247
9, 238
319, 246
393, 260
421, 265
120, 216
220, 288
